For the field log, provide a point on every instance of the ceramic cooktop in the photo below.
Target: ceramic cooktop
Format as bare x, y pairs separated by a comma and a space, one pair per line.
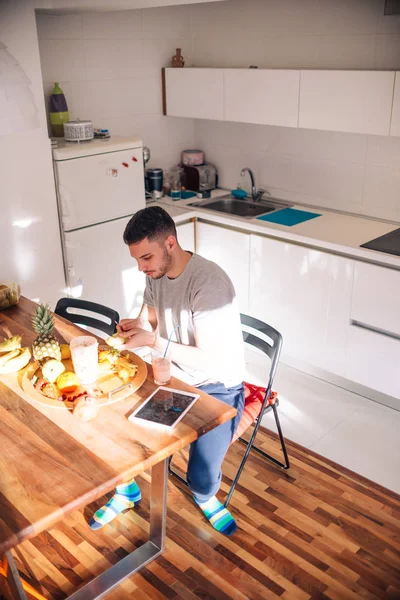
389, 243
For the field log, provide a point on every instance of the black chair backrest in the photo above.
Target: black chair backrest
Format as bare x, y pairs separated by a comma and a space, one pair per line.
272, 347
82, 319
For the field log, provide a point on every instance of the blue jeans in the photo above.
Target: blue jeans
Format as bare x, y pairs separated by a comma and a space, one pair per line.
208, 452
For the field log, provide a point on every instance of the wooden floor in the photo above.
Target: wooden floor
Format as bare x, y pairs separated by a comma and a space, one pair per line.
317, 531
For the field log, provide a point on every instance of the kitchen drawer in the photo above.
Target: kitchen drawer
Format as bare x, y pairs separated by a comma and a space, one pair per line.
372, 360
376, 293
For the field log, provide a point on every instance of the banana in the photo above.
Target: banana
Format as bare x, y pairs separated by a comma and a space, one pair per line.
17, 363
8, 356
12, 343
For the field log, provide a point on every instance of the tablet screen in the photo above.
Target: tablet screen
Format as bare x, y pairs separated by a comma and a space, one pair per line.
165, 407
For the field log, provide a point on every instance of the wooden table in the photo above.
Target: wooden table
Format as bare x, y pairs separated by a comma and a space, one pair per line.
51, 463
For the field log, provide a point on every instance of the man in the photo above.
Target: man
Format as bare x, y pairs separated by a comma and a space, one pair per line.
195, 294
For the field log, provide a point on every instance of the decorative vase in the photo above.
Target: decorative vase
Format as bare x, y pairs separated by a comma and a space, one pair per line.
58, 111
178, 60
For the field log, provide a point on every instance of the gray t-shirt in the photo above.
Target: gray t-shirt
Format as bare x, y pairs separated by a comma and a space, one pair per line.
201, 301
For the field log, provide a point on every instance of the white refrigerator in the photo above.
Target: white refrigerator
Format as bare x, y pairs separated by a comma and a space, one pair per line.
100, 184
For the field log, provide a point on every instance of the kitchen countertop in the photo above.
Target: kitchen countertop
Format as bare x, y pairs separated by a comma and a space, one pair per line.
336, 232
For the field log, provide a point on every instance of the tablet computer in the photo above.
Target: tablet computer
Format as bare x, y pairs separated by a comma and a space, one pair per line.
164, 408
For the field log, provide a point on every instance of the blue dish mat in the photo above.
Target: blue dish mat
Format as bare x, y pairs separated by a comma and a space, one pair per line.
185, 194
289, 216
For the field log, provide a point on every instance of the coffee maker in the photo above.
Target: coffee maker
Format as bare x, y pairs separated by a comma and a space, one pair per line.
200, 178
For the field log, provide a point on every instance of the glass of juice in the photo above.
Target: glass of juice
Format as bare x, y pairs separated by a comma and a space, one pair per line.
161, 367
85, 358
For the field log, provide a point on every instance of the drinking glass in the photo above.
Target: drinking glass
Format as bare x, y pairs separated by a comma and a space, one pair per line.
175, 183
161, 367
85, 358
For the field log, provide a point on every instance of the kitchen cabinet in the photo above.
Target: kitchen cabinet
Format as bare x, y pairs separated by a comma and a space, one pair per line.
373, 360
265, 96
306, 295
230, 249
352, 101
337, 315
375, 301
374, 334
395, 124
185, 232
331, 100
196, 93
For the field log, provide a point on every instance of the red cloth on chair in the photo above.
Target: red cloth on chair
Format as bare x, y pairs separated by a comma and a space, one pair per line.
253, 399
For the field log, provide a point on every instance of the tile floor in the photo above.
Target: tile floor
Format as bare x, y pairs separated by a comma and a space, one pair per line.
362, 435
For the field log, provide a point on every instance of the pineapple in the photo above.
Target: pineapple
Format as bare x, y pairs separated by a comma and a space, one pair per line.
45, 345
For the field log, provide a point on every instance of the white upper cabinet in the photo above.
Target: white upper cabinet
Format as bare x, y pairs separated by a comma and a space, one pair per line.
395, 124
348, 101
264, 96
196, 93
353, 101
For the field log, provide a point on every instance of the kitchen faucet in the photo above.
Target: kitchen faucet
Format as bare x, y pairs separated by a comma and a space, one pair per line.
255, 194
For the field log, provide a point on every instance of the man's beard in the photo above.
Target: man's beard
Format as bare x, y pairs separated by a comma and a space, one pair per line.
165, 265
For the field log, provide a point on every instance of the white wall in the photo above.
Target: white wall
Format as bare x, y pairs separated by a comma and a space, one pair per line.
355, 173
109, 67
29, 254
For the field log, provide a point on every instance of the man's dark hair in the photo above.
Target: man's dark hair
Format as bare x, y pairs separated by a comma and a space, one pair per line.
152, 222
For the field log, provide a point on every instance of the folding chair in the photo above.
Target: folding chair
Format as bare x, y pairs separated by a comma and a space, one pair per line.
258, 400
109, 326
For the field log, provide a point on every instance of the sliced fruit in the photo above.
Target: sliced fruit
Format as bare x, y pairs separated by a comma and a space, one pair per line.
111, 355
51, 369
67, 382
65, 351
124, 374
12, 343
46, 388
115, 341
125, 363
105, 367
103, 355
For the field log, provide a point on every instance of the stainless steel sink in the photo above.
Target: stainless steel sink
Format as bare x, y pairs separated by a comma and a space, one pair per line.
241, 208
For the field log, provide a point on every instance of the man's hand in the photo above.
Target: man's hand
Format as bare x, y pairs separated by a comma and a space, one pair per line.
136, 337
125, 326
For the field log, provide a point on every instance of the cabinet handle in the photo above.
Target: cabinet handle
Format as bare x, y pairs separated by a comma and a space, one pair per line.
389, 334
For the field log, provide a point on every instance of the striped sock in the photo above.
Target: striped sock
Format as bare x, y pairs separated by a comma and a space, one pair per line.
219, 517
127, 495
